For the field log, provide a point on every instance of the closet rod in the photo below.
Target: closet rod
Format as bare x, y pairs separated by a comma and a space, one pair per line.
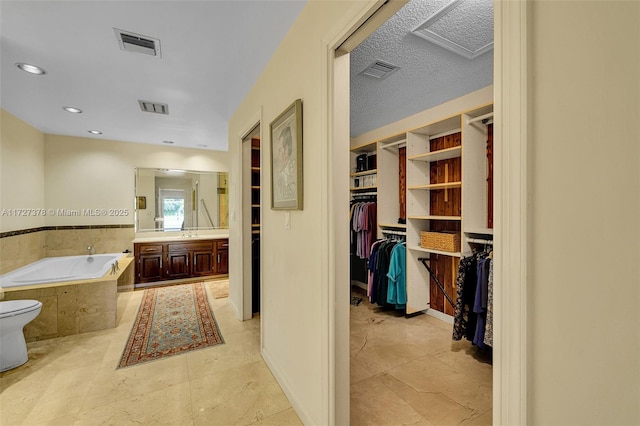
362, 194
447, 133
391, 144
424, 261
386, 231
479, 241
480, 118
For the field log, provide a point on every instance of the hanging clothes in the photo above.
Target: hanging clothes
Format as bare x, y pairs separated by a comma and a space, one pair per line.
387, 274
472, 299
363, 226
397, 288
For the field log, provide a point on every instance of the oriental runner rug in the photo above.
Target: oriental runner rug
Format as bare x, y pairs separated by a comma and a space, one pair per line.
171, 320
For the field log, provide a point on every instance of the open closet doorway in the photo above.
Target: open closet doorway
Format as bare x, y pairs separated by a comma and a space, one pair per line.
251, 196
420, 169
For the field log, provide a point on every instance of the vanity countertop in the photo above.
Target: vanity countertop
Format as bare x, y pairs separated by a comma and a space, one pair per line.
163, 239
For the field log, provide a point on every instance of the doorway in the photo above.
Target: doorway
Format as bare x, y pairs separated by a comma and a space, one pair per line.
391, 319
251, 215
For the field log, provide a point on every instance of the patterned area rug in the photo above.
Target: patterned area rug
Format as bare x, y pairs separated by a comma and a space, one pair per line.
171, 320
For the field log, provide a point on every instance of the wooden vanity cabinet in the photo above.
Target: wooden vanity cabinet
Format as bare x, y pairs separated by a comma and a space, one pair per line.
149, 263
160, 261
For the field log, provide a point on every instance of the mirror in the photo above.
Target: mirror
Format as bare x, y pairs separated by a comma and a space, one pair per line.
176, 200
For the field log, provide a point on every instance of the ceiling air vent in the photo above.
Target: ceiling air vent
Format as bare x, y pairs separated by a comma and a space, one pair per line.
133, 42
380, 70
154, 107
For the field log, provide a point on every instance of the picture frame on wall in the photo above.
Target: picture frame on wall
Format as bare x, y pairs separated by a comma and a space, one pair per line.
286, 159
142, 203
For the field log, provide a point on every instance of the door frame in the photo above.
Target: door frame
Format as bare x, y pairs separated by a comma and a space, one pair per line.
511, 142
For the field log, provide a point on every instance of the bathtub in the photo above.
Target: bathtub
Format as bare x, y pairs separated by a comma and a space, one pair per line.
60, 269
78, 293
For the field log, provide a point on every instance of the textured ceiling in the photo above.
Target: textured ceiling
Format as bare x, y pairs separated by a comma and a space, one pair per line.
213, 51
429, 74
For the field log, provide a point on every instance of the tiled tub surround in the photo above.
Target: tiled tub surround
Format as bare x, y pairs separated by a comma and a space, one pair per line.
27, 246
74, 307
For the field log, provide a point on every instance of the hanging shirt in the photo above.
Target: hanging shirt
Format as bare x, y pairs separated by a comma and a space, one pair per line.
397, 289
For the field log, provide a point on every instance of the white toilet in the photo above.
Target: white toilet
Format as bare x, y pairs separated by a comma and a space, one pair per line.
14, 315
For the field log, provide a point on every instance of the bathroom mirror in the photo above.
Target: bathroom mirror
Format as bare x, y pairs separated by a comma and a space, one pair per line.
176, 200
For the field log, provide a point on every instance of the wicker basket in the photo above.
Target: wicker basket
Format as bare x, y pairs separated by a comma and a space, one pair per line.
445, 241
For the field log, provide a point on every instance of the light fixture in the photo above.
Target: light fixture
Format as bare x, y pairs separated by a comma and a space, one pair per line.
168, 142
95, 132
72, 110
31, 69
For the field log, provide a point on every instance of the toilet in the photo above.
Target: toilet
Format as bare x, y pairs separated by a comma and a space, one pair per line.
14, 315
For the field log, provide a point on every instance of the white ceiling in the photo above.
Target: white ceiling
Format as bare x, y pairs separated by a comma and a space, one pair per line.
212, 54
431, 71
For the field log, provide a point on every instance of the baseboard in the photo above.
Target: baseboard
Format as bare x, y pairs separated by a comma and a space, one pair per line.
441, 316
286, 387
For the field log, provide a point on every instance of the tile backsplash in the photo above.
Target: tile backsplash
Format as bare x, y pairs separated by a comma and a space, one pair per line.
18, 249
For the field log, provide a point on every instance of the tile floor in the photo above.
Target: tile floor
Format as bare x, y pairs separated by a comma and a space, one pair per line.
403, 371
74, 381
409, 371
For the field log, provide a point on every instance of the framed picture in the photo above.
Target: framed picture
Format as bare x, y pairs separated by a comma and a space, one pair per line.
142, 203
286, 159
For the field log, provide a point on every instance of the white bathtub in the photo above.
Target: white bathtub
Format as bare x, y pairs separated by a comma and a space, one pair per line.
60, 269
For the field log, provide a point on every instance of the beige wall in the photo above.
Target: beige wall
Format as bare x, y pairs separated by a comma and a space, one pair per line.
21, 174
584, 322
86, 173
294, 261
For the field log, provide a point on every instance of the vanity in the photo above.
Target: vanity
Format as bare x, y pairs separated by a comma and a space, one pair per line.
182, 224
173, 258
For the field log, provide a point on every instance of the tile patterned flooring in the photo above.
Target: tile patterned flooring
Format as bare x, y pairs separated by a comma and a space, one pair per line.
403, 371
73, 380
408, 370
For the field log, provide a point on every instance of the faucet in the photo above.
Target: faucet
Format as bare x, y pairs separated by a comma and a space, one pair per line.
91, 250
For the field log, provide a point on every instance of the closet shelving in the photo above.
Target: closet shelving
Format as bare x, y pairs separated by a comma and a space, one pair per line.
446, 191
255, 186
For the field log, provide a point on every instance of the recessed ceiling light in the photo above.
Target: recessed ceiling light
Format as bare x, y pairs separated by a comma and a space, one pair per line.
95, 132
32, 69
73, 110
169, 142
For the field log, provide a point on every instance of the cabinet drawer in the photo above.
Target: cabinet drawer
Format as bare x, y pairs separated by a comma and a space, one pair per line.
190, 246
222, 244
149, 248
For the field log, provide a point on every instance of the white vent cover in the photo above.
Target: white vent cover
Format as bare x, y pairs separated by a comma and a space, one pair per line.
379, 70
464, 27
156, 107
138, 43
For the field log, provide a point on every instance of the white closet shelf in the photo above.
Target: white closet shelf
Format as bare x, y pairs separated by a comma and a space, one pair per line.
365, 148
430, 217
366, 172
479, 231
255, 169
393, 225
443, 154
447, 185
255, 187
432, 251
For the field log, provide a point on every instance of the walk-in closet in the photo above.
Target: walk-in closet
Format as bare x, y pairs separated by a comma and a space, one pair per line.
421, 225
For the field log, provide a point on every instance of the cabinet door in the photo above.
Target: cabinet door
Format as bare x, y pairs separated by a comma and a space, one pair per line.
177, 265
149, 268
222, 257
202, 263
